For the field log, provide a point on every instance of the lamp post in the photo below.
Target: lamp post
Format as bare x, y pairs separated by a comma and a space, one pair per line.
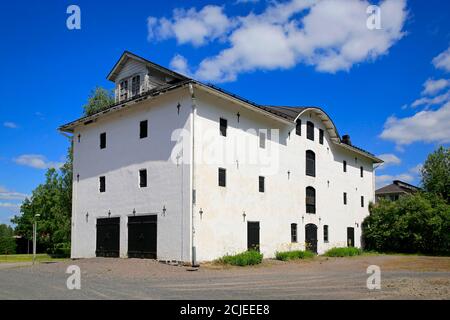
34, 236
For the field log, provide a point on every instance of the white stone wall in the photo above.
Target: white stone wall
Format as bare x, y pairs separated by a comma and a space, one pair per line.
120, 162
222, 228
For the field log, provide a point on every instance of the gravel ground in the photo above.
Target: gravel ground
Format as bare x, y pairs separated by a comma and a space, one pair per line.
402, 277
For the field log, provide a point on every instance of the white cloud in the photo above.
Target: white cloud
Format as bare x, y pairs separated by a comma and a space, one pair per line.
190, 26
246, 1
9, 205
36, 161
10, 125
442, 61
426, 126
432, 101
6, 194
330, 35
389, 159
417, 170
180, 65
433, 86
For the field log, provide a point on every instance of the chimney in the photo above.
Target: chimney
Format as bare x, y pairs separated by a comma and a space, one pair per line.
346, 139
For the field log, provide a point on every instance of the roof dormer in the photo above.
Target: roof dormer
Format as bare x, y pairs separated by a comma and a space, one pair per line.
134, 76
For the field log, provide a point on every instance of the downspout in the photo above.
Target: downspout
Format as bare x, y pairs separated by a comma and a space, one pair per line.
193, 195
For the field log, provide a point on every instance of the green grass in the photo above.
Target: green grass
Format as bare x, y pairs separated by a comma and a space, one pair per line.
13, 258
246, 258
343, 252
293, 255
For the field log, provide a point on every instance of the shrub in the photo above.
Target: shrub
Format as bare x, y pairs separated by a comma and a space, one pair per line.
343, 252
246, 258
60, 250
416, 223
293, 255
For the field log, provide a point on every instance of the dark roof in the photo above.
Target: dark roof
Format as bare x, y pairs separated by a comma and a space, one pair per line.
397, 187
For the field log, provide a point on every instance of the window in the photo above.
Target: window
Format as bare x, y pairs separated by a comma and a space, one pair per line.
222, 177
310, 163
345, 197
325, 233
298, 127
223, 127
143, 178
320, 136
361, 172
103, 140
310, 130
344, 165
293, 232
310, 200
261, 182
143, 129
362, 201
135, 85
262, 140
102, 181
123, 90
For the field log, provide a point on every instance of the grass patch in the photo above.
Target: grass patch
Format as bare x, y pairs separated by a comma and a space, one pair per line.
13, 258
293, 255
343, 252
247, 258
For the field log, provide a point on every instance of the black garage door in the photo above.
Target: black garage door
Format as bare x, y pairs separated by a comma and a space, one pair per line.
108, 230
142, 237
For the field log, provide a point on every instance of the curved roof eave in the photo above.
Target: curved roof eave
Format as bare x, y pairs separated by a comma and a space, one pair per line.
329, 124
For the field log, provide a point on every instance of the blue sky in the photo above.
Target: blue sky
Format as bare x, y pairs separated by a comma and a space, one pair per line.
373, 83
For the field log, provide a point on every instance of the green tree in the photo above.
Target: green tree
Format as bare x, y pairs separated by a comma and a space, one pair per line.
436, 173
414, 223
7, 241
98, 100
53, 199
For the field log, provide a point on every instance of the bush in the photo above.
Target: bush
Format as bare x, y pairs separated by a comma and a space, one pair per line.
418, 223
246, 258
60, 250
293, 255
343, 252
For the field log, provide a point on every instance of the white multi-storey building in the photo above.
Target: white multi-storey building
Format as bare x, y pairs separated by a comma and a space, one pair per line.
180, 170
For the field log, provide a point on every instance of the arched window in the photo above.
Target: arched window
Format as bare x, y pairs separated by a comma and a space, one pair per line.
310, 130
310, 200
310, 163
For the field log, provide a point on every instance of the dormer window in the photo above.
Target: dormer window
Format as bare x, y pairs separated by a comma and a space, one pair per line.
135, 85
123, 88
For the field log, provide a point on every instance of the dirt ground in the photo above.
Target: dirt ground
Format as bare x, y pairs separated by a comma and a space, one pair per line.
402, 277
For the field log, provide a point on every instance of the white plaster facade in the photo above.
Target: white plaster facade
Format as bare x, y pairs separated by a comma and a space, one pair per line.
198, 212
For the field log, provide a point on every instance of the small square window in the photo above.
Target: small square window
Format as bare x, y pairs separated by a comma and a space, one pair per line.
320, 136
143, 129
298, 127
293, 232
102, 181
310, 130
262, 140
261, 182
103, 140
223, 127
222, 177
143, 178
325, 233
